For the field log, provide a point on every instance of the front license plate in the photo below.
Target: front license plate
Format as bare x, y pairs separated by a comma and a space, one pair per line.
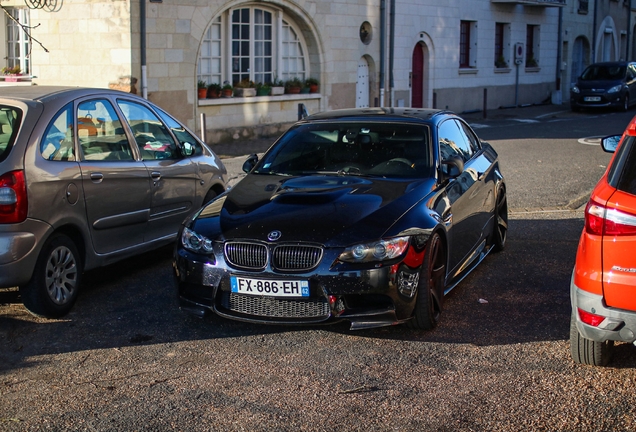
592, 99
271, 288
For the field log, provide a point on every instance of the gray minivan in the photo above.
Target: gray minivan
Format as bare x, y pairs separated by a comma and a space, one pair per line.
89, 177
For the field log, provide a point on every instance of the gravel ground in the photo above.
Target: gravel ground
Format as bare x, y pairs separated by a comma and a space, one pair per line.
128, 359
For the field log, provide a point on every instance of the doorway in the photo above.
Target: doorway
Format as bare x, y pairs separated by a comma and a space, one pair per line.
419, 76
362, 84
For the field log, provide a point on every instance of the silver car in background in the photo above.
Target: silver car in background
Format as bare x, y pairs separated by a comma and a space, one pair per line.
89, 177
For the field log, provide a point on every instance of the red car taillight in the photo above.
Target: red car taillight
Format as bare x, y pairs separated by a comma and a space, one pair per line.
590, 318
601, 220
13, 197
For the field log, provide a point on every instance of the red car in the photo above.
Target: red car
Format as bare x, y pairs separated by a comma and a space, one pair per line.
603, 288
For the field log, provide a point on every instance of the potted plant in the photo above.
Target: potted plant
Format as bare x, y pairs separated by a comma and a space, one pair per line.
202, 89
532, 63
227, 90
293, 85
245, 88
263, 89
11, 73
501, 62
278, 87
312, 84
214, 90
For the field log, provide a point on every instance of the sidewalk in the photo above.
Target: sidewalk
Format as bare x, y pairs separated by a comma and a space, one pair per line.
246, 147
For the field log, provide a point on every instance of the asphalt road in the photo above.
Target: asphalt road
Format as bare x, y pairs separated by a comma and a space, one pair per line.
127, 359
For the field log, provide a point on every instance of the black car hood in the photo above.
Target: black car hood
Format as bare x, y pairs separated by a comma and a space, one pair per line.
326, 209
598, 84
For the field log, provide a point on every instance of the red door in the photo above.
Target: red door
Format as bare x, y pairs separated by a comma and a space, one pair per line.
417, 77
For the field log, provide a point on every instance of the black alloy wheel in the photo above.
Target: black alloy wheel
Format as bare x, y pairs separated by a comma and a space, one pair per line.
500, 232
430, 290
53, 288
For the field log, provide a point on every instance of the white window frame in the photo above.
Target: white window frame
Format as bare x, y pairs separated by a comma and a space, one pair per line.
21, 44
280, 22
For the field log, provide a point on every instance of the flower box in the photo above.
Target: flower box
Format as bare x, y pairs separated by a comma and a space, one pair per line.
276, 91
244, 92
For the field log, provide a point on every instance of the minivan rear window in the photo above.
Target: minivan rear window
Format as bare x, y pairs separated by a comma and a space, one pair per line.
10, 118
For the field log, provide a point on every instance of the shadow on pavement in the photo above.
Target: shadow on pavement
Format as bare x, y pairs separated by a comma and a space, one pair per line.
525, 289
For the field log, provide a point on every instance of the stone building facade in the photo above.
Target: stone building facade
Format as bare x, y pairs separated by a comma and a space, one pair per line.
459, 54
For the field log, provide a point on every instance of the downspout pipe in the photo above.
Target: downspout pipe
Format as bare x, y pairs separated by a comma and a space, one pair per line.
559, 53
593, 59
391, 51
382, 43
142, 48
629, 24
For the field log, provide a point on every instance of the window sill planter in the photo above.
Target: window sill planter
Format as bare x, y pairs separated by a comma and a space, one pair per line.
227, 93
202, 93
11, 78
292, 90
277, 91
244, 92
313, 88
304, 90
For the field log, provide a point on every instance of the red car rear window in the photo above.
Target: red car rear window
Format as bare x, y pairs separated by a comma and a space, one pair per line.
622, 175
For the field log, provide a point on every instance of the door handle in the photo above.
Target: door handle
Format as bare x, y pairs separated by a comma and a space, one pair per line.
156, 175
97, 177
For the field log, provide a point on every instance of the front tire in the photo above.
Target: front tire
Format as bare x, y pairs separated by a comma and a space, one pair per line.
586, 351
53, 288
625, 106
430, 290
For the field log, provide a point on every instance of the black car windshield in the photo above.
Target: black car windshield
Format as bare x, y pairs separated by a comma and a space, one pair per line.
604, 72
9, 123
391, 150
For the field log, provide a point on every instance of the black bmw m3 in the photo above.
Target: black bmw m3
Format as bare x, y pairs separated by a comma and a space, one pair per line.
366, 215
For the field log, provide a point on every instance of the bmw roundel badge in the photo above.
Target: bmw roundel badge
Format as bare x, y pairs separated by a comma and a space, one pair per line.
274, 235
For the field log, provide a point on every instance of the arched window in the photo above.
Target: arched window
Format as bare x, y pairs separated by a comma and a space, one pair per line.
252, 43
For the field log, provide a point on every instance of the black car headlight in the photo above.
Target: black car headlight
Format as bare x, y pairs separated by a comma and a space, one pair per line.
575, 89
196, 242
380, 250
615, 89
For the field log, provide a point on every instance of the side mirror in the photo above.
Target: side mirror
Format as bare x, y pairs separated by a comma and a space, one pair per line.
250, 163
610, 143
187, 149
452, 167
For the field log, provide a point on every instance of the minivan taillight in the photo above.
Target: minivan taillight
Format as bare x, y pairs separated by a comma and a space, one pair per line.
601, 220
13, 197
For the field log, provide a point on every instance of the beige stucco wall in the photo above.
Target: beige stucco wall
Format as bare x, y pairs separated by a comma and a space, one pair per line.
89, 43
97, 43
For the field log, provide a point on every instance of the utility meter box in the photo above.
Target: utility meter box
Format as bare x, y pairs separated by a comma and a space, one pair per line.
520, 53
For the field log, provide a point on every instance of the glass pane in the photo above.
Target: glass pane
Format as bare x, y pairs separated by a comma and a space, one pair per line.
258, 16
245, 15
245, 48
216, 66
235, 48
258, 48
258, 64
268, 33
152, 136
235, 31
268, 49
100, 132
215, 49
268, 17
245, 32
57, 143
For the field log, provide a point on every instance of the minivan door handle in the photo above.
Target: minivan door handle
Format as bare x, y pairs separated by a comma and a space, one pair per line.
156, 175
97, 177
